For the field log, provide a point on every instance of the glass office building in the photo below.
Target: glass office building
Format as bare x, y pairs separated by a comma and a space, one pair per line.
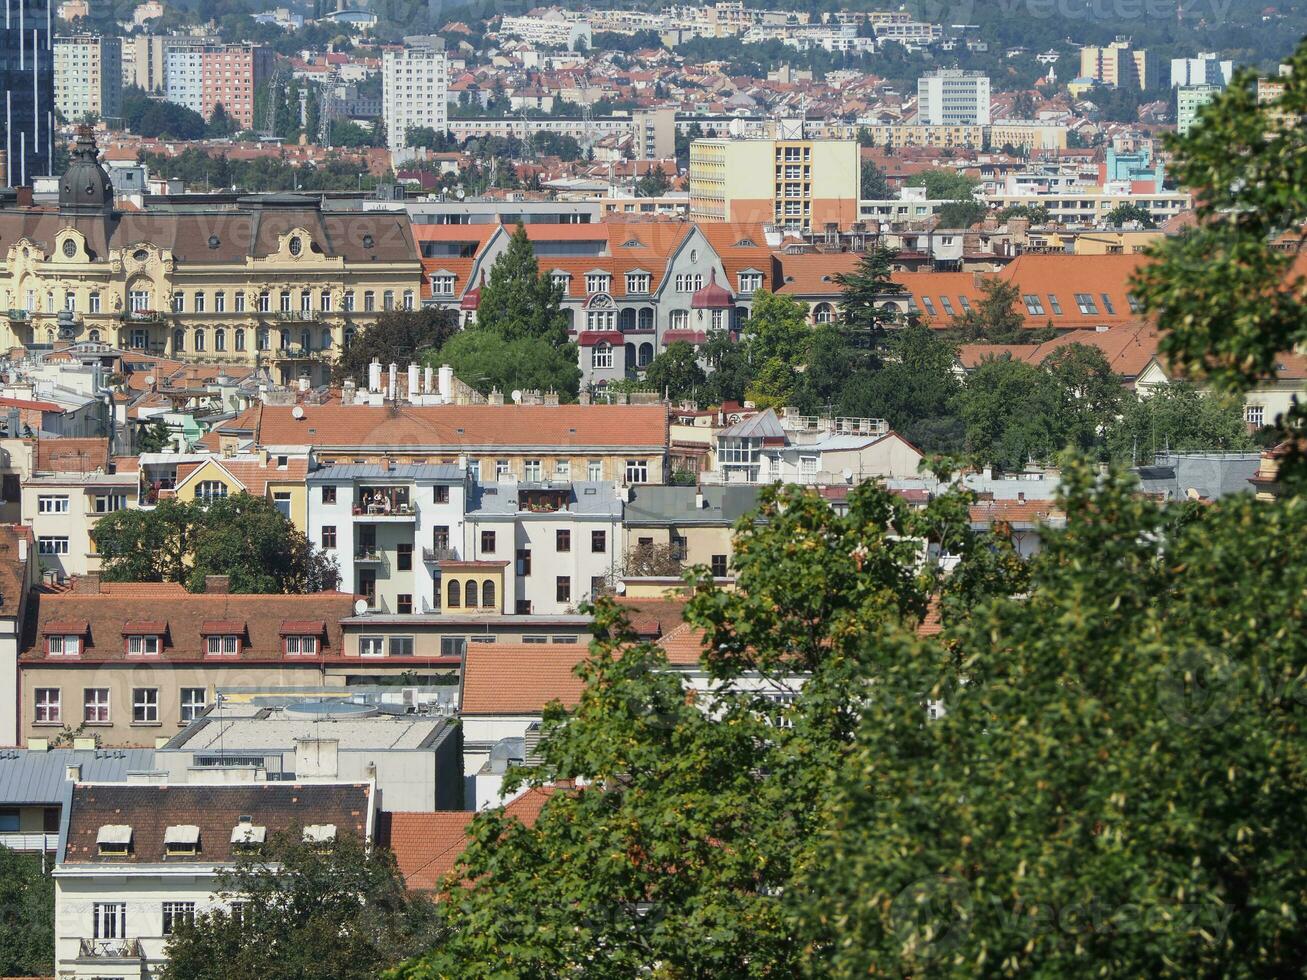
27, 89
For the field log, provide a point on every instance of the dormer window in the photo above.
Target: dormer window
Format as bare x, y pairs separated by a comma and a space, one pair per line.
114, 840
182, 840
442, 285
226, 645
65, 639
597, 282
222, 637
144, 645
246, 836
560, 279
750, 282
323, 833
637, 282
301, 646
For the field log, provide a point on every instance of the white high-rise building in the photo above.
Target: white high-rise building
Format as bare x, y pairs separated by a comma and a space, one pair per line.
184, 76
1206, 69
414, 83
953, 97
88, 77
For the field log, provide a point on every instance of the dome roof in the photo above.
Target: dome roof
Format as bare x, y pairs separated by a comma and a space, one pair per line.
712, 296
85, 186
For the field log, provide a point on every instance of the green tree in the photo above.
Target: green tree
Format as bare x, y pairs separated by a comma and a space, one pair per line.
399, 337
777, 328
1091, 395
485, 360
1126, 213
1011, 411
340, 911
874, 185
863, 291
26, 916
945, 184
654, 183
153, 438
346, 132
676, 371
244, 537
729, 370
1036, 214
995, 319
960, 214
220, 123
1180, 418
518, 302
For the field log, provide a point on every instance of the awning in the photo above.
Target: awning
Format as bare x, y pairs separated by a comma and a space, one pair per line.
302, 627
319, 833
182, 835
247, 833
145, 627
114, 833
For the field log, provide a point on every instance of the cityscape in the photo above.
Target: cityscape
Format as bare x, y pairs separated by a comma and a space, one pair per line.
623, 490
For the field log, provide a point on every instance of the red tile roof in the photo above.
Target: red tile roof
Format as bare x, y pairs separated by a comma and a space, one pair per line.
520, 678
72, 455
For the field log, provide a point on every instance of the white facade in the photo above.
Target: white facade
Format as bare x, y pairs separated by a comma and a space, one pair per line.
63, 509
952, 97
414, 87
551, 30
184, 77
1206, 69
389, 529
88, 77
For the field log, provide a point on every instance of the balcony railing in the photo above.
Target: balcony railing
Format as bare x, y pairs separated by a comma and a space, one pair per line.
296, 316
433, 555
369, 553
143, 316
19, 316
110, 949
294, 354
31, 843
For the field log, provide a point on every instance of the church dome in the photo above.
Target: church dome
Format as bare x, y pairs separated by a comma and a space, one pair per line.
85, 187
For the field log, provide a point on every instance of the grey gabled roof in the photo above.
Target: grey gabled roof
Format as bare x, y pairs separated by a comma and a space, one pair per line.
1210, 475
726, 504
31, 777
764, 425
433, 472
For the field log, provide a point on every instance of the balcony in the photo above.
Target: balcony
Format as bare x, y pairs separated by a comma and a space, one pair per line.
19, 316
384, 504
294, 354
433, 556
369, 554
296, 316
110, 949
30, 843
143, 316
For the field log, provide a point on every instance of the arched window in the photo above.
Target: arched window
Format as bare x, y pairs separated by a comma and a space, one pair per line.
305, 340
349, 337
629, 350
626, 319
470, 594
452, 600
823, 313
646, 354
284, 339
199, 339
263, 338
646, 318
326, 339
220, 339
178, 341
240, 338
94, 335
488, 593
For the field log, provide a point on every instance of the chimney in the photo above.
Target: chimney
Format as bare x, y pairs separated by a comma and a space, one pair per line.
374, 375
427, 373
347, 392
304, 384
446, 383
390, 383
22, 548
217, 584
88, 584
73, 773
496, 397
412, 381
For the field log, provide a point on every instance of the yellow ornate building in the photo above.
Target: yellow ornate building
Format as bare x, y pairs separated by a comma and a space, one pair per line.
272, 280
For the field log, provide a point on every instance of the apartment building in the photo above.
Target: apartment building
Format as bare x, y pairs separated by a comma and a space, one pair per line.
1206, 69
136, 860
551, 29
414, 83
1118, 65
183, 73
230, 75
18, 577
88, 77
392, 529
953, 97
795, 184
1188, 100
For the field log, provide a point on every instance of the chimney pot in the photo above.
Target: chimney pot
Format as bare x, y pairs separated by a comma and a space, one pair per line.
217, 584
88, 584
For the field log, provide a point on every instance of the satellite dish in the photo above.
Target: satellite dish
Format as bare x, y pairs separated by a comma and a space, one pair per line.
297, 412
460, 193
848, 476
149, 379
620, 588
360, 607
517, 395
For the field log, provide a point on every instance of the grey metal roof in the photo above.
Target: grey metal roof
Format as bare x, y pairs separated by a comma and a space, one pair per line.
723, 504
1211, 475
31, 777
764, 425
585, 498
433, 472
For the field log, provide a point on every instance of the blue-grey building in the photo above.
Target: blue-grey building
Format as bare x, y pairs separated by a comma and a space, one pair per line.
27, 88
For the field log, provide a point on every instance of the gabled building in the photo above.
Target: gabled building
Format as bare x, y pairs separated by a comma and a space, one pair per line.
137, 860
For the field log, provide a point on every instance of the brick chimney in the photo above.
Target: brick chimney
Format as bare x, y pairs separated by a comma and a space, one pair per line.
88, 584
217, 584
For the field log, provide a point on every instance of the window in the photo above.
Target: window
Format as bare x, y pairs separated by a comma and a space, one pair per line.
601, 356
523, 561
680, 319
264, 303
329, 536
452, 646
52, 546
145, 705
67, 645
562, 469
283, 301
563, 540
199, 302
193, 702
678, 546
281, 500
1085, 303
347, 301
211, 490
95, 705
301, 646
560, 279
328, 495
488, 542
388, 300
177, 913
750, 282
178, 302
306, 302
143, 646
637, 282
470, 595
95, 303
404, 603
240, 339
928, 305
1108, 308
946, 305
110, 920
49, 706
51, 504
219, 302
401, 646
223, 645
324, 301
220, 339
597, 282
598, 584
138, 300
404, 556
718, 564
442, 285
531, 470
563, 588
807, 465
598, 542
501, 469
372, 646
453, 594
594, 470
637, 471
369, 301
488, 594
108, 503
1135, 305
1255, 415
966, 304
535, 639
238, 304
1033, 305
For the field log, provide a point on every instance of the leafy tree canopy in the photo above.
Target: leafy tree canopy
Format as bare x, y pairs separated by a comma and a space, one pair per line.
946, 184
676, 371
1124, 214
518, 301
26, 916
398, 336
